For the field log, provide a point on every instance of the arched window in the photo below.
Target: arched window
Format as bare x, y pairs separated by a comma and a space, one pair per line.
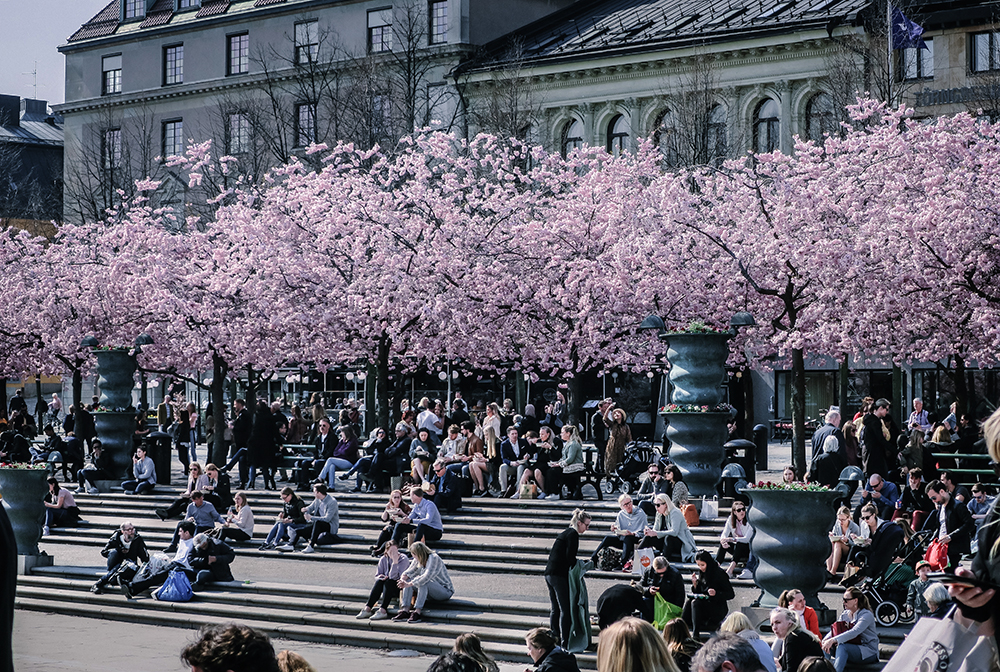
819, 117
767, 127
618, 135
716, 136
665, 138
572, 137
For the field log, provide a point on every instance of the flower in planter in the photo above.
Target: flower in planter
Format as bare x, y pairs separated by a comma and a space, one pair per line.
699, 327
41, 466
797, 486
696, 408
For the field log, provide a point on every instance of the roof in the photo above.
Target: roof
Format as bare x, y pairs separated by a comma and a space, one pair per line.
605, 27
33, 133
105, 23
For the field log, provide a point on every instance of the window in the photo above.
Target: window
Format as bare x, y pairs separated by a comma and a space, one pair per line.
985, 52
820, 120
306, 41
173, 138
173, 64
716, 135
438, 12
380, 30
572, 137
767, 127
188, 4
381, 116
305, 124
917, 63
238, 54
238, 134
111, 80
135, 8
665, 138
111, 149
618, 136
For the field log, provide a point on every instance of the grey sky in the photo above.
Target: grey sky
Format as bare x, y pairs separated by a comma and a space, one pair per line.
32, 30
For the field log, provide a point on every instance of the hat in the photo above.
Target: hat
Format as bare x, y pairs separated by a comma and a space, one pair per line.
922, 563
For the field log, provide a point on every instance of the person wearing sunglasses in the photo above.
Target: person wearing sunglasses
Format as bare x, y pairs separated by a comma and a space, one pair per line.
860, 622
654, 484
735, 540
881, 539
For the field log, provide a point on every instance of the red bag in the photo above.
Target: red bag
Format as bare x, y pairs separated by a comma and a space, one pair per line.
937, 555
840, 627
691, 516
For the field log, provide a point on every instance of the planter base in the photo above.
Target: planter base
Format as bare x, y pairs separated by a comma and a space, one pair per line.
26, 563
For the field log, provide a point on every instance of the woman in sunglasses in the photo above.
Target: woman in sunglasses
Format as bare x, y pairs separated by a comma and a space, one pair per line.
735, 539
857, 642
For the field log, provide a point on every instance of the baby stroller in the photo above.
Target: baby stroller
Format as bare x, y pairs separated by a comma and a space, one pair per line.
625, 478
887, 592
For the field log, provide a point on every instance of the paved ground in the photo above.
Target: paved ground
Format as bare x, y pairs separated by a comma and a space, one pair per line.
54, 643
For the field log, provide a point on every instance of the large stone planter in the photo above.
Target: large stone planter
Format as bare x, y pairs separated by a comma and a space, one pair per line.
697, 367
696, 441
791, 540
697, 371
116, 426
23, 492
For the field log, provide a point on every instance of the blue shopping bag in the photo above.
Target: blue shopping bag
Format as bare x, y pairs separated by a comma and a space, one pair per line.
177, 588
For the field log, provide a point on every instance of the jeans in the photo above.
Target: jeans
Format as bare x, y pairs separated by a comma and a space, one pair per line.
385, 589
277, 533
137, 487
194, 444
421, 531
361, 468
560, 616
850, 653
329, 471
739, 550
57, 517
431, 589
316, 531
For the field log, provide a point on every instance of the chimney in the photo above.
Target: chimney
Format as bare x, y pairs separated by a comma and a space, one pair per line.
10, 107
34, 110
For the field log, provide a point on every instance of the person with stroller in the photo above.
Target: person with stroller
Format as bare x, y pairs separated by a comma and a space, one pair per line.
860, 623
627, 530
953, 523
125, 545
876, 547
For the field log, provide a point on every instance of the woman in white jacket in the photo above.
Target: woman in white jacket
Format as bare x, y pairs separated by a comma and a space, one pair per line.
736, 537
429, 577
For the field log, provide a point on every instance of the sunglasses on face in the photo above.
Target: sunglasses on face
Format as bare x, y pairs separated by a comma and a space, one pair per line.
868, 517
738, 510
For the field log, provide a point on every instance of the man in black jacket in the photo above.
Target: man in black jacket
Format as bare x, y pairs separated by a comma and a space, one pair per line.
447, 493
952, 521
241, 425
663, 580
875, 447
831, 428
393, 459
210, 559
124, 545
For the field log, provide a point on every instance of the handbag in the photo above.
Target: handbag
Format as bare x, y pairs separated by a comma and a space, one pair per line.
177, 588
840, 627
642, 560
943, 645
937, 555
690, 515
528, 491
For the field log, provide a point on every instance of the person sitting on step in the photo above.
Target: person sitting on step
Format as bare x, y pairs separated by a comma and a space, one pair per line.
143, 472
181, 561
395, 510
322, 522
291, 514
424, 520
201, 513
426, 576
390, 569
125, 545
180, 505
210, 559
626, 531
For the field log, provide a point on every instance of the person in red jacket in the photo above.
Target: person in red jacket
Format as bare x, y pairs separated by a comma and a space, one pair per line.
795, 601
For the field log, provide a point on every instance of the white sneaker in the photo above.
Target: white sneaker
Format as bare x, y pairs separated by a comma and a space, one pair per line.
308, 549
285, 547
552, 496
379, 615
93, 491
45, 531
745, 574
516, 495
364, 613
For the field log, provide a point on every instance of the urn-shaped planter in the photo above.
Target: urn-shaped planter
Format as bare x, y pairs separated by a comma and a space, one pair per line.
23, 492
116, 372
696, 441
791, 540
697, 367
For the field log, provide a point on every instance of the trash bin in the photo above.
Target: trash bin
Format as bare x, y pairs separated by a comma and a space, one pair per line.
760, 433
158, 447
734, 479
742, 452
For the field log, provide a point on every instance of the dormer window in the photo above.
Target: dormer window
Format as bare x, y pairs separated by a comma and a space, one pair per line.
135, 9
188, 4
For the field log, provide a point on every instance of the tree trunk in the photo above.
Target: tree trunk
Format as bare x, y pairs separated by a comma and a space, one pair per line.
845, 374
251, 390
382, 385
77, 387
40, 420
574, 402
219, 371
799, 412
3, 399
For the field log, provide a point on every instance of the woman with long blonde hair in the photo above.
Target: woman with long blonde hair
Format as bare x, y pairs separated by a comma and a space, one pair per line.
633, 644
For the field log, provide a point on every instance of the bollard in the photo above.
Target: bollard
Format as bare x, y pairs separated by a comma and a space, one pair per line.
760, 433
741, 451
158, 447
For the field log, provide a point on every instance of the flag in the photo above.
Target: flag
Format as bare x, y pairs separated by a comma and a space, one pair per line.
905, 33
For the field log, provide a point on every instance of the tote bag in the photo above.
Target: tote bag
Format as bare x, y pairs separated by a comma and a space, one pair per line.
942, 645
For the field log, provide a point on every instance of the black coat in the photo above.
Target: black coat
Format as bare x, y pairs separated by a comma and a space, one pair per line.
798, 646
875, 448
447, 491
961, 526
265, 440
670, 583
885, 542
224, 556
716, 607
562, 557
137, 550
618, 602
819, 438
242, 425
557, 660
826, 469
